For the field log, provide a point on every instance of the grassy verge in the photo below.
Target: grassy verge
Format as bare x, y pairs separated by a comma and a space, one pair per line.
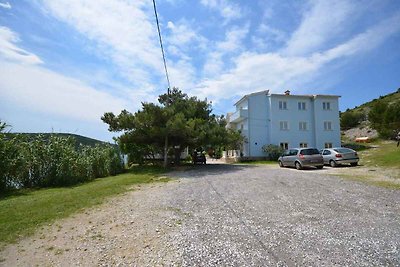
23, 211
370, 180
387, 154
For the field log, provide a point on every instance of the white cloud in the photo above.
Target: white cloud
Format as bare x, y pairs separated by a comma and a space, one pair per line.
277, 71
183, 34
233, 39
232, 44
321, 24
123, 30
271, 33
5, 5
39, 89
227, 9
26, 83
9, 50
214, 64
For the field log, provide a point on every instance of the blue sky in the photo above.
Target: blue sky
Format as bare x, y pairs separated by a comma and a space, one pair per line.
64, 63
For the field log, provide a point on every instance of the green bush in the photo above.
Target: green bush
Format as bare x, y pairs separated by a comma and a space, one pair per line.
385, 118
350, 119
40, 162
273, 151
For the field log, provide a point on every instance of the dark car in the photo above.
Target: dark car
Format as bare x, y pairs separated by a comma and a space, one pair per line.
301, 157
198, 157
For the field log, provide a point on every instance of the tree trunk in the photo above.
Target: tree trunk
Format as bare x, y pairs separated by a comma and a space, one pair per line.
166, 152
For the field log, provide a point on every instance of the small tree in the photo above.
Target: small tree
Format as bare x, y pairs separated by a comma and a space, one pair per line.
350, 119
385, 118
176, 122
273, 151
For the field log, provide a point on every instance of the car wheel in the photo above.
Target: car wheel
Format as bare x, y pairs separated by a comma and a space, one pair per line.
280, 164
354, 164
332, 163
320, 166
298, 165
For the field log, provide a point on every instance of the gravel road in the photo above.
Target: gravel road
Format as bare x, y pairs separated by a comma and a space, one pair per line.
227, 215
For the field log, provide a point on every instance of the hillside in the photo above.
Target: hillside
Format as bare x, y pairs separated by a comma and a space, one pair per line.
79, 139
366, 107
354, 122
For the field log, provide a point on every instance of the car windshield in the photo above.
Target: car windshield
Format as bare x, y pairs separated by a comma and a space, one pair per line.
309, 151
343, 150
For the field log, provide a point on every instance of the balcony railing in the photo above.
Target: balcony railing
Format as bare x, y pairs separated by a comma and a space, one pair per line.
239, 115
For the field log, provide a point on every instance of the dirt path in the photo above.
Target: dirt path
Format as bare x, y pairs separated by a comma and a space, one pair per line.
131, 229
229, 215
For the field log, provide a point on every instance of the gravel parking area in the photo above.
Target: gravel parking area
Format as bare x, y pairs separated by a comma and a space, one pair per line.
228, 215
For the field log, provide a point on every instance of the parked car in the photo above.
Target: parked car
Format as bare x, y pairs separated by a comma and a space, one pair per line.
340, 155
198, 157
301, 157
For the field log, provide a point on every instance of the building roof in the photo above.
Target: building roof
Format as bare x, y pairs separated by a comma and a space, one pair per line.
285, 95
308, 96
255, 93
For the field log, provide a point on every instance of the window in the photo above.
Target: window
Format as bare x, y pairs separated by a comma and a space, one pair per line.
309, 151
326, 152
302, 145
327, 125
282, 105
326, 105
284, 145
301, 105
328, 145
284, 125
303, 126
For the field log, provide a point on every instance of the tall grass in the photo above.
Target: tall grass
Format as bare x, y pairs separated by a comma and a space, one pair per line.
27, 163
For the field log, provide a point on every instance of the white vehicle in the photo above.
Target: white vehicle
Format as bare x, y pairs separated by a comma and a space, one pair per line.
340, 155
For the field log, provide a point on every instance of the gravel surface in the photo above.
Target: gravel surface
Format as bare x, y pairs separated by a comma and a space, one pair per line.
228, 215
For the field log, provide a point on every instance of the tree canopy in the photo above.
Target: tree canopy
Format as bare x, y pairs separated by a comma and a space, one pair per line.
176, 122
385, 118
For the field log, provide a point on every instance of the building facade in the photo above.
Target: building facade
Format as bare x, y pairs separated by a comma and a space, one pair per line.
286, 120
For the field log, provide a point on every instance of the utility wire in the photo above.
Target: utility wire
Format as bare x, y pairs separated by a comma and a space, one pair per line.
161, 45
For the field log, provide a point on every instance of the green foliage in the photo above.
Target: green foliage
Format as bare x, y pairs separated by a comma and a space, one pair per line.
376, 115
385, 118
351, 119
273, 151
27, 162
180, 120
79, 140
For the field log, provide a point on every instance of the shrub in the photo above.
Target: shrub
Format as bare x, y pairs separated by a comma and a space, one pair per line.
273, 151
39, 162
351, 119
385, 118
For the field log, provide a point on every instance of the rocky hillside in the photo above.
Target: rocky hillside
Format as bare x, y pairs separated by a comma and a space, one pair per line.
354, 122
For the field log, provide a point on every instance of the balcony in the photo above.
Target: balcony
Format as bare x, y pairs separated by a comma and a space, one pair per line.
239, 115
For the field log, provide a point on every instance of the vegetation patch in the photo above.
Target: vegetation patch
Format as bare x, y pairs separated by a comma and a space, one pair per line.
385, 154
24, 211
38, 161
368, 179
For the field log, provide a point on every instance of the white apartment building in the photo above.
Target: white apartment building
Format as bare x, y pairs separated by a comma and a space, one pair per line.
286, 120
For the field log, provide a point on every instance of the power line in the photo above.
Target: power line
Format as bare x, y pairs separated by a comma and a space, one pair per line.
161, 45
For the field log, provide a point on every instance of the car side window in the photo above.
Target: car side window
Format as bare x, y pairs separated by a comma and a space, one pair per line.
286, 153
326, 152
293, 152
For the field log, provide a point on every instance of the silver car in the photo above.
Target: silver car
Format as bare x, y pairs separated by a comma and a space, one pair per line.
301, 157
340, 155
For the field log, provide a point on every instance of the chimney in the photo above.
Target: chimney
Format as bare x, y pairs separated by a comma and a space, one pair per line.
287, 92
